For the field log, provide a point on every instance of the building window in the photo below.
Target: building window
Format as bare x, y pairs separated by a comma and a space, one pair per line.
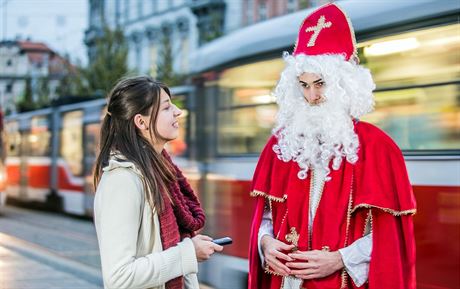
117, 13
249, 12
9, 88
183, 26
170, 3
184, 51
262, 11
154, 6
9, 62
138, 56
291, 6
126, 10
153, 60
139, 8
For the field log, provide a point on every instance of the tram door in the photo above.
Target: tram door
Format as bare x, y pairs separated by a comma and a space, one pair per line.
39, 163
91, 136
23, 131
31, 165
13, 161
23, 153
70, 163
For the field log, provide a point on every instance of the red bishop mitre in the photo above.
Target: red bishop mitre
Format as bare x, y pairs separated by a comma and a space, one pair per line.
326, 31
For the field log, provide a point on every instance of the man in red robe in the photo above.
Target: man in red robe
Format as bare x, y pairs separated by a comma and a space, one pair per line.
334, 203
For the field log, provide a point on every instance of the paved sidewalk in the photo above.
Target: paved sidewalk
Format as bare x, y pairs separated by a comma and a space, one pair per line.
26, 266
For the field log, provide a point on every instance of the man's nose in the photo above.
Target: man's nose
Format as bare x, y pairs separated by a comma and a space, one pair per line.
313, 94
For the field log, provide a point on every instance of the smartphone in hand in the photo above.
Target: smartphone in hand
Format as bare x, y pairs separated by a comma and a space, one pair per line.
223, 241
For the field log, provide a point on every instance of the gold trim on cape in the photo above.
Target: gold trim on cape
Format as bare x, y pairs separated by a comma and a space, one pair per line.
387, 210
368, 223
256, 193
344, 274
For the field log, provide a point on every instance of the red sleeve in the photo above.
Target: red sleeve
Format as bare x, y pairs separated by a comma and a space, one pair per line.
261, 184
255, 268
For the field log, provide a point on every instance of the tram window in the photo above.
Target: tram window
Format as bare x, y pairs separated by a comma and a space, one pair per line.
13, 139
246, 106
420, 118
249, 84
39, 138
425, 56
92, 140
421, 110
92, 134
245, 130
72, 141
417, 102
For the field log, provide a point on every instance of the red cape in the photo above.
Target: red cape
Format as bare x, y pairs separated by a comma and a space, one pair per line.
375, 190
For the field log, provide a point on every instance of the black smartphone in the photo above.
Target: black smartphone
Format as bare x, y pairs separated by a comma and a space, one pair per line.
223, 241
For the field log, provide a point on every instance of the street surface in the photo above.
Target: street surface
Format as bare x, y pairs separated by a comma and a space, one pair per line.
60, 234
42, 250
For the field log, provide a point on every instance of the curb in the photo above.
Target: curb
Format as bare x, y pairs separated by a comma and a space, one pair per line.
45, 256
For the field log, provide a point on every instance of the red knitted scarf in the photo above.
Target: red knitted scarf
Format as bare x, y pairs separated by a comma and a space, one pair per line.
181, 218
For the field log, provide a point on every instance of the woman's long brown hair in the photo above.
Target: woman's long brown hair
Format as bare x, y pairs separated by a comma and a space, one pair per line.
129, 97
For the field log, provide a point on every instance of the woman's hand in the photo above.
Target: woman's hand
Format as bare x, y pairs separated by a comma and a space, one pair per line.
204, 247
314, 264
271, 248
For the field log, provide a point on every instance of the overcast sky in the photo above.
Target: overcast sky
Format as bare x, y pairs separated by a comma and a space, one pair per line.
58, 23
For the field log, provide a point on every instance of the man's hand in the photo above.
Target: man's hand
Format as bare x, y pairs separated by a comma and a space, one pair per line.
271, 249
314, 264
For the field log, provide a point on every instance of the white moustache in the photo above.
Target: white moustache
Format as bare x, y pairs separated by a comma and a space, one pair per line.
315, 135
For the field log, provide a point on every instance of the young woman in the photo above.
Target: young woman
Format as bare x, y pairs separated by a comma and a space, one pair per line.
145, 212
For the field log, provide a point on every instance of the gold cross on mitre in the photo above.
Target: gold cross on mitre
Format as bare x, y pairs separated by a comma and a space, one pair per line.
317, 29
293, 238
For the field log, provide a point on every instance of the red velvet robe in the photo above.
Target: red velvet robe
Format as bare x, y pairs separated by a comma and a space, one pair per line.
375, 189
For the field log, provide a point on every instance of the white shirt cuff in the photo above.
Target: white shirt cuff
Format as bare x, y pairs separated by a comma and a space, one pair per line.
356, 258
266, 228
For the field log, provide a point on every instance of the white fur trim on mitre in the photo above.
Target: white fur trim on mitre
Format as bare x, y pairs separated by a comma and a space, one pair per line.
346, 82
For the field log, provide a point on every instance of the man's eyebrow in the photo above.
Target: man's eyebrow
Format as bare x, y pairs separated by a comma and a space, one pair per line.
314, 82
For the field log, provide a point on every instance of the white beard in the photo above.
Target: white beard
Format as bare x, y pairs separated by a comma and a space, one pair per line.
316, 135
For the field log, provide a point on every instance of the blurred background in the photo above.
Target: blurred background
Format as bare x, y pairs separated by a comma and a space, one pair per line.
222, 58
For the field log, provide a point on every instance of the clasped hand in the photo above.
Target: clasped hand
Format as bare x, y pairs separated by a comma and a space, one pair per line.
302, 264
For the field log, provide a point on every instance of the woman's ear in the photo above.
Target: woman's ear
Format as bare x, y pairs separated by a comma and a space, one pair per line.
140, 122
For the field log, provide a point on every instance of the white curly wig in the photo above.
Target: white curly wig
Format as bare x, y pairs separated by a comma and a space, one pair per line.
312, 136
